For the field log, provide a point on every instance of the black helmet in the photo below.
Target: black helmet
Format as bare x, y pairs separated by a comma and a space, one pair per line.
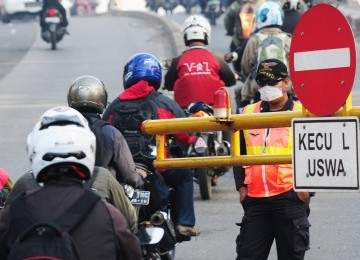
87, 94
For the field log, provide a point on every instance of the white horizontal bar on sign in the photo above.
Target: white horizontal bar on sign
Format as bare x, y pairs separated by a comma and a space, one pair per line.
322, 59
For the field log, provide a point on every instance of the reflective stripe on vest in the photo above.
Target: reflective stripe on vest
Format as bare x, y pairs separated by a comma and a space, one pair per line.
268, 180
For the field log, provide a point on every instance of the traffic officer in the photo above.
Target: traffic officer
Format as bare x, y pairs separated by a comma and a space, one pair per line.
272, 209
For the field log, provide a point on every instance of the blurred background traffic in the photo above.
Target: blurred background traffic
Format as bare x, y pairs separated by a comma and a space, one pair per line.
24, 9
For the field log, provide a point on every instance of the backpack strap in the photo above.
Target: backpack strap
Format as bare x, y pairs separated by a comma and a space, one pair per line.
152, 98
67, 221
89, 183
96, 129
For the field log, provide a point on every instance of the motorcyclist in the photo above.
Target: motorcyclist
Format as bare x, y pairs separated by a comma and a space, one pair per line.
58, 6
5, 187
61, 149
240, 33
292, 15
88, 95
268, 41
197, 73
142, 77
102, 181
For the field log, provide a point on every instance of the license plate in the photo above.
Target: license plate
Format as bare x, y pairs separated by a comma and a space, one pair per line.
141, 197
33, 4
54, 19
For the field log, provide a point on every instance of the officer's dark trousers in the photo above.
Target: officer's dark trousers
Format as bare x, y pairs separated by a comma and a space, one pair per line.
283, 218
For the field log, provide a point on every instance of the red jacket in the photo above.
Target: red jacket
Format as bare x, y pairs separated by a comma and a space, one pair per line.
196, 75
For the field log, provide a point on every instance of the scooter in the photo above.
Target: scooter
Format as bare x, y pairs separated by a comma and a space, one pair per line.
188, 5
54, 32
213, 10
169, 5
207, 144
152, 215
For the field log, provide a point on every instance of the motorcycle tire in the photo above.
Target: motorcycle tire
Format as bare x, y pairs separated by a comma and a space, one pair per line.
204, 181
53, 41
169, 255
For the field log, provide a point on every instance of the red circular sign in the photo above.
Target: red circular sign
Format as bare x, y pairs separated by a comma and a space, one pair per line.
322, 59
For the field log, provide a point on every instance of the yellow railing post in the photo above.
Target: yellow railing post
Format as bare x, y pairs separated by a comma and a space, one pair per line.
160, 147
235, 143
347, 106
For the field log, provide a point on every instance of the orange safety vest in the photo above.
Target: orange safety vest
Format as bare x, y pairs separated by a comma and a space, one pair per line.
268, 180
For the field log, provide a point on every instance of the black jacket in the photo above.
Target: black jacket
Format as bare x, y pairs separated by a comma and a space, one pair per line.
58, 6
291, 18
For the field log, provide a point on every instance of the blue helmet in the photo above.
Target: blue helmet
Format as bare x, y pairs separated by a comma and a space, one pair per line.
142, 66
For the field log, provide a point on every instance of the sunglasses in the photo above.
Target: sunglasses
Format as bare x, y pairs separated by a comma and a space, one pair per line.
271, 83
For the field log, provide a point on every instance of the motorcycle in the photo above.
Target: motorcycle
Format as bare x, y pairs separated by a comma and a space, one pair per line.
83, 7
154, 5
213, 10
188, 5
169, 5
207, 144
54, 32
153, 213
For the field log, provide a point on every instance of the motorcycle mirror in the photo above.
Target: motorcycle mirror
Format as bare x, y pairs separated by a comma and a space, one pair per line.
165, 64
150, 235
153, 150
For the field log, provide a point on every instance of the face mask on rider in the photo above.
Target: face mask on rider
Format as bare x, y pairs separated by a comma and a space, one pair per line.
268, 93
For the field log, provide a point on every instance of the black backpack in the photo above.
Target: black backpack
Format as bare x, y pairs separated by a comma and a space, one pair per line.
128, 118
96, 129
48, 240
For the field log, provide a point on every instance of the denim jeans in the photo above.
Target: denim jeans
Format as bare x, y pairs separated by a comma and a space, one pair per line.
181, 196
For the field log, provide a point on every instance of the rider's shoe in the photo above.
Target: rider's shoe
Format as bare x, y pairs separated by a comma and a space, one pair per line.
187, 231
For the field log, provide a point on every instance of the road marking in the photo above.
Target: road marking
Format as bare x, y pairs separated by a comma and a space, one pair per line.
28, 106
322, 59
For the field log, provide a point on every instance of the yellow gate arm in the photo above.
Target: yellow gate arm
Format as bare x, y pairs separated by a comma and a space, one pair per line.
234, 124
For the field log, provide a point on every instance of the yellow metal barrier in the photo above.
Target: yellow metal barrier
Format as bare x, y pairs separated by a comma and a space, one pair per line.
160, 128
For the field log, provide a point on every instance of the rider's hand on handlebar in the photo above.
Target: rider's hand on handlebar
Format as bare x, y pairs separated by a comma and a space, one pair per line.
141, 172
231, 57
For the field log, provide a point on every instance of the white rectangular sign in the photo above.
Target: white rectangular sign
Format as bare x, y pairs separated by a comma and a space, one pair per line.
326, 154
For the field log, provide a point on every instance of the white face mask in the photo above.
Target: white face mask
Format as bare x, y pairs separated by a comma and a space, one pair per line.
268, 93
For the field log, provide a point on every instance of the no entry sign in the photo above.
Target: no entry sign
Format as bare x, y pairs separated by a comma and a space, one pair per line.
322, 59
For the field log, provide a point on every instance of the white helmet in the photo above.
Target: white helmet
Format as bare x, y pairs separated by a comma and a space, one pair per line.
61, 137
269, 13
196, 27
